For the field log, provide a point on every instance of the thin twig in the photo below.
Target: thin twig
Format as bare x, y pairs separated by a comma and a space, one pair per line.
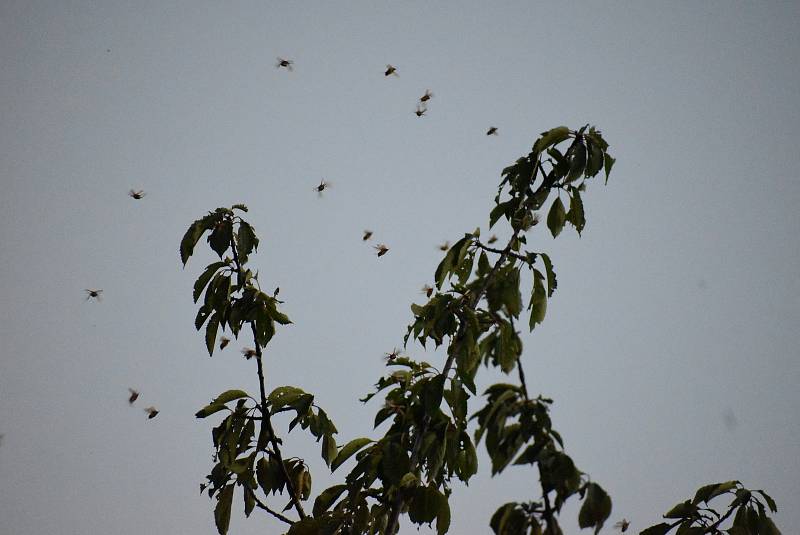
265, 507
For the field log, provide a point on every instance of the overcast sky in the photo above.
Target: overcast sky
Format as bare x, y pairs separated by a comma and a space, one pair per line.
670, 347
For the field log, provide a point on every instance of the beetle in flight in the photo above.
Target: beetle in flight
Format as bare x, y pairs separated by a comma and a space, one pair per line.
286, 63
420, 111
152, 412
367, 235
427, 96
93, 294
390, 69
382, 249
133, 397
492, 131
322, 187
136, 194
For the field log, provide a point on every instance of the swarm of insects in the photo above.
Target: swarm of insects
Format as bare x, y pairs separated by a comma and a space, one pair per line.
622, 525
492, 131
134, 395
285, 63
248, 353
367, 235
390, 69
492, 239
420, 111
323, 185
223, 341
136, 194
444, 246
427, 290
152, 412
382, 249
93, 294
427, 96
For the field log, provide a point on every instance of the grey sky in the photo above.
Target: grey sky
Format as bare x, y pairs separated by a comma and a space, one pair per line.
670, 347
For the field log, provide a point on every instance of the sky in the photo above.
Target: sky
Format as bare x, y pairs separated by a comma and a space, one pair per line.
670, 347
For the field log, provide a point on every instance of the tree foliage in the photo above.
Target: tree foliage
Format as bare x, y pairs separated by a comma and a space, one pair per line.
437, 418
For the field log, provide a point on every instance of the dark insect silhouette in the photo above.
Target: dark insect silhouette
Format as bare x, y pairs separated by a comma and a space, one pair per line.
492, 131
152, 412
367, 235
224, 341
427, 290
390, 69
249, 353
492, 239
391, 356
93, 294
286, 63
420, 111
322, 187
134, 395
622, 525
382, 249
427, 96
136, 194
445, 246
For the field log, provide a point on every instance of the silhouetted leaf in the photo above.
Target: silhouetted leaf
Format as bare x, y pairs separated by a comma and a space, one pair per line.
552, 137
552, 282
230, 395
222, 512
348, 450
211, 333
210, 409
556, 217
202, 280
247, 240
326, 498
682, 510
658, 529
596, 508
538, 304
609, 163
575, 214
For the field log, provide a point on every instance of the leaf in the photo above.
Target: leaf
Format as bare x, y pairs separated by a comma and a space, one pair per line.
770, 502
576, 155
556, 217
284, 395
247, 240
348, 450
202, 280
596, 508
443, 516
682, 510
552, 283
424, 505
552, 137
326, 498
191, 236
220, 237
432, 394
211, 333
538, 304
208, 410
708, 492
230, 395
575, 215
222, 512
609, 163
269, 475
249, 501
658, 529
328, 449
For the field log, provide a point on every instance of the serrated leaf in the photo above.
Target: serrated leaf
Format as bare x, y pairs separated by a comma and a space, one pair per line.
576, 155
204, 278
538, 304
222, 512
609, 163
211, 333
191, 237
552, 282
220, 237
556, 217
348, 450
576, 215
424, 505
770, 502
246, 240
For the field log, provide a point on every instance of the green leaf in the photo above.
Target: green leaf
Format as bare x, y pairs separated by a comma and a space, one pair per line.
348, 450
247, 240
682, 510
596, 508
220, 237
208, 410
576, 155
538, 304
191, 236
202, 280
328, 448
284, 395
222, 512
425, 504
211, 333
556, 217
269, 475
327, 498
609, 161
432, 394
230, 395
709, 492
770, 502
658, 529
552, 137
443, 516
249, 501
552, 283
575, 215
